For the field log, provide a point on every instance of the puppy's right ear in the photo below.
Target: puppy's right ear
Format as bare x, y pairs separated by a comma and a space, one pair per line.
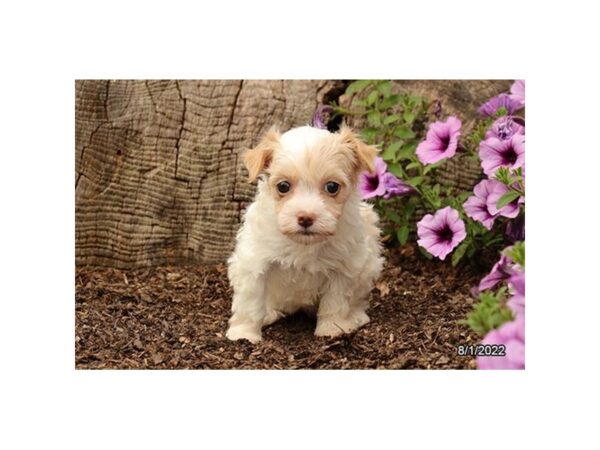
258, 158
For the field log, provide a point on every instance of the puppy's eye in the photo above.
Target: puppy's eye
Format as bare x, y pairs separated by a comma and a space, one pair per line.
283, 187
332, 188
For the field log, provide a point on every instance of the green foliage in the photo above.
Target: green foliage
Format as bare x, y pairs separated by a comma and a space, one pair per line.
397, 123
490, 312
517, 253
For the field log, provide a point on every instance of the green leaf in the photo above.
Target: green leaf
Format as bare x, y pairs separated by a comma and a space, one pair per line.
415, 181
489, 313
373, 96
413, 165
430, 167
391, 119
369, 134
409, 116
393, 216
459, 252
503, 175
390, 153
507, 198
389, 102
408, 211
403, 132
357, 85
407, 152
385, 87
396, 169
402, 234
374, 118
425, 253
517, 253
501, 112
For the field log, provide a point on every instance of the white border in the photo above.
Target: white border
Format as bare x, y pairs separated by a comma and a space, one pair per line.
47, 404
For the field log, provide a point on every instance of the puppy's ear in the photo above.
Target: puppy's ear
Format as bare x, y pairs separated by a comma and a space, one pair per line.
258, 158
364, 154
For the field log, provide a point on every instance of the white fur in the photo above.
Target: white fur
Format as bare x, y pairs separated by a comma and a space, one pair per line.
273, 274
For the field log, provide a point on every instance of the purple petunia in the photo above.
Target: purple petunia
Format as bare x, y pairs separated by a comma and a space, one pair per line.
440, 233
495, 153
517, 284
517, 281
476, 206
382, 183
512, 336
501, 271
372, 184
395, 187
517, 91
510, 210
505, 127
318, 120
505, 101
441, 141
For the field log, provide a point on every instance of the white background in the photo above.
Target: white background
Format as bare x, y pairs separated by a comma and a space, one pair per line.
45, 403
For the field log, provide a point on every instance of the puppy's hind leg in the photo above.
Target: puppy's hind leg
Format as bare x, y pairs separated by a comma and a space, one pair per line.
271, 317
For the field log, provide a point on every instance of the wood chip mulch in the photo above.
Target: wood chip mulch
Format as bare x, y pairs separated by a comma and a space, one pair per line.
176, 318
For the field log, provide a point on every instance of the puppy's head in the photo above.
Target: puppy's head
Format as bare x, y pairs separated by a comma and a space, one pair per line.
311, 173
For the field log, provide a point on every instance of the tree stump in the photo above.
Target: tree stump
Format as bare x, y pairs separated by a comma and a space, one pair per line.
158, 175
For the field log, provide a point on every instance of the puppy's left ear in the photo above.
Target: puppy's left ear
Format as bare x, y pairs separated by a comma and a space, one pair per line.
364, 154
258, 158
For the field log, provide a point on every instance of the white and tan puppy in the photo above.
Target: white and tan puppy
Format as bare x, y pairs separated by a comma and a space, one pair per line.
307, 242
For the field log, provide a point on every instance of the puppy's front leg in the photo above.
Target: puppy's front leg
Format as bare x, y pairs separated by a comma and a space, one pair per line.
249, 305
333, 316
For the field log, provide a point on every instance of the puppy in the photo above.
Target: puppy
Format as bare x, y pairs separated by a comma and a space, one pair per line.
307, 242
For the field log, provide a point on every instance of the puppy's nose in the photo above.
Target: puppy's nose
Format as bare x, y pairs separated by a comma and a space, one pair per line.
305, 220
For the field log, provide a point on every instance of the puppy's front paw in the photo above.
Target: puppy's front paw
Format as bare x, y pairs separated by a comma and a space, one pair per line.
337, 326
236, 332
333, 327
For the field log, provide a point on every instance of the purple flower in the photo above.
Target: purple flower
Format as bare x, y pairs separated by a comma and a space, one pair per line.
511, 210
372, 184
395, 187
515, 229
441, 141
501, 271
517, 284
495, 153
382, 183
505, 101
476, 206
517, 91
512, 336
517, 281
517, 304
318, 120
440, 233
505, 127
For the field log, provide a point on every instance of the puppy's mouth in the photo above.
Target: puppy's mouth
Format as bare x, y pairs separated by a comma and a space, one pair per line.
307, 236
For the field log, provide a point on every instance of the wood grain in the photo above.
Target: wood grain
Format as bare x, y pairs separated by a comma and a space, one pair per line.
158, 178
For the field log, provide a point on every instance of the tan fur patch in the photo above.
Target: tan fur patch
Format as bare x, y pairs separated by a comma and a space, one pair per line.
258, 159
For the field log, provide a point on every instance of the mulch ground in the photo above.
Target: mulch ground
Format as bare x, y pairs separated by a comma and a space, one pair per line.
176, 318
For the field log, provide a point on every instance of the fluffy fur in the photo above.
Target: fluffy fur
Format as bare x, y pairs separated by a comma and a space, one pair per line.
280, 266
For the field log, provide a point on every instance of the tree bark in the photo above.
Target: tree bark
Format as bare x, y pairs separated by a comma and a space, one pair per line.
158, 177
